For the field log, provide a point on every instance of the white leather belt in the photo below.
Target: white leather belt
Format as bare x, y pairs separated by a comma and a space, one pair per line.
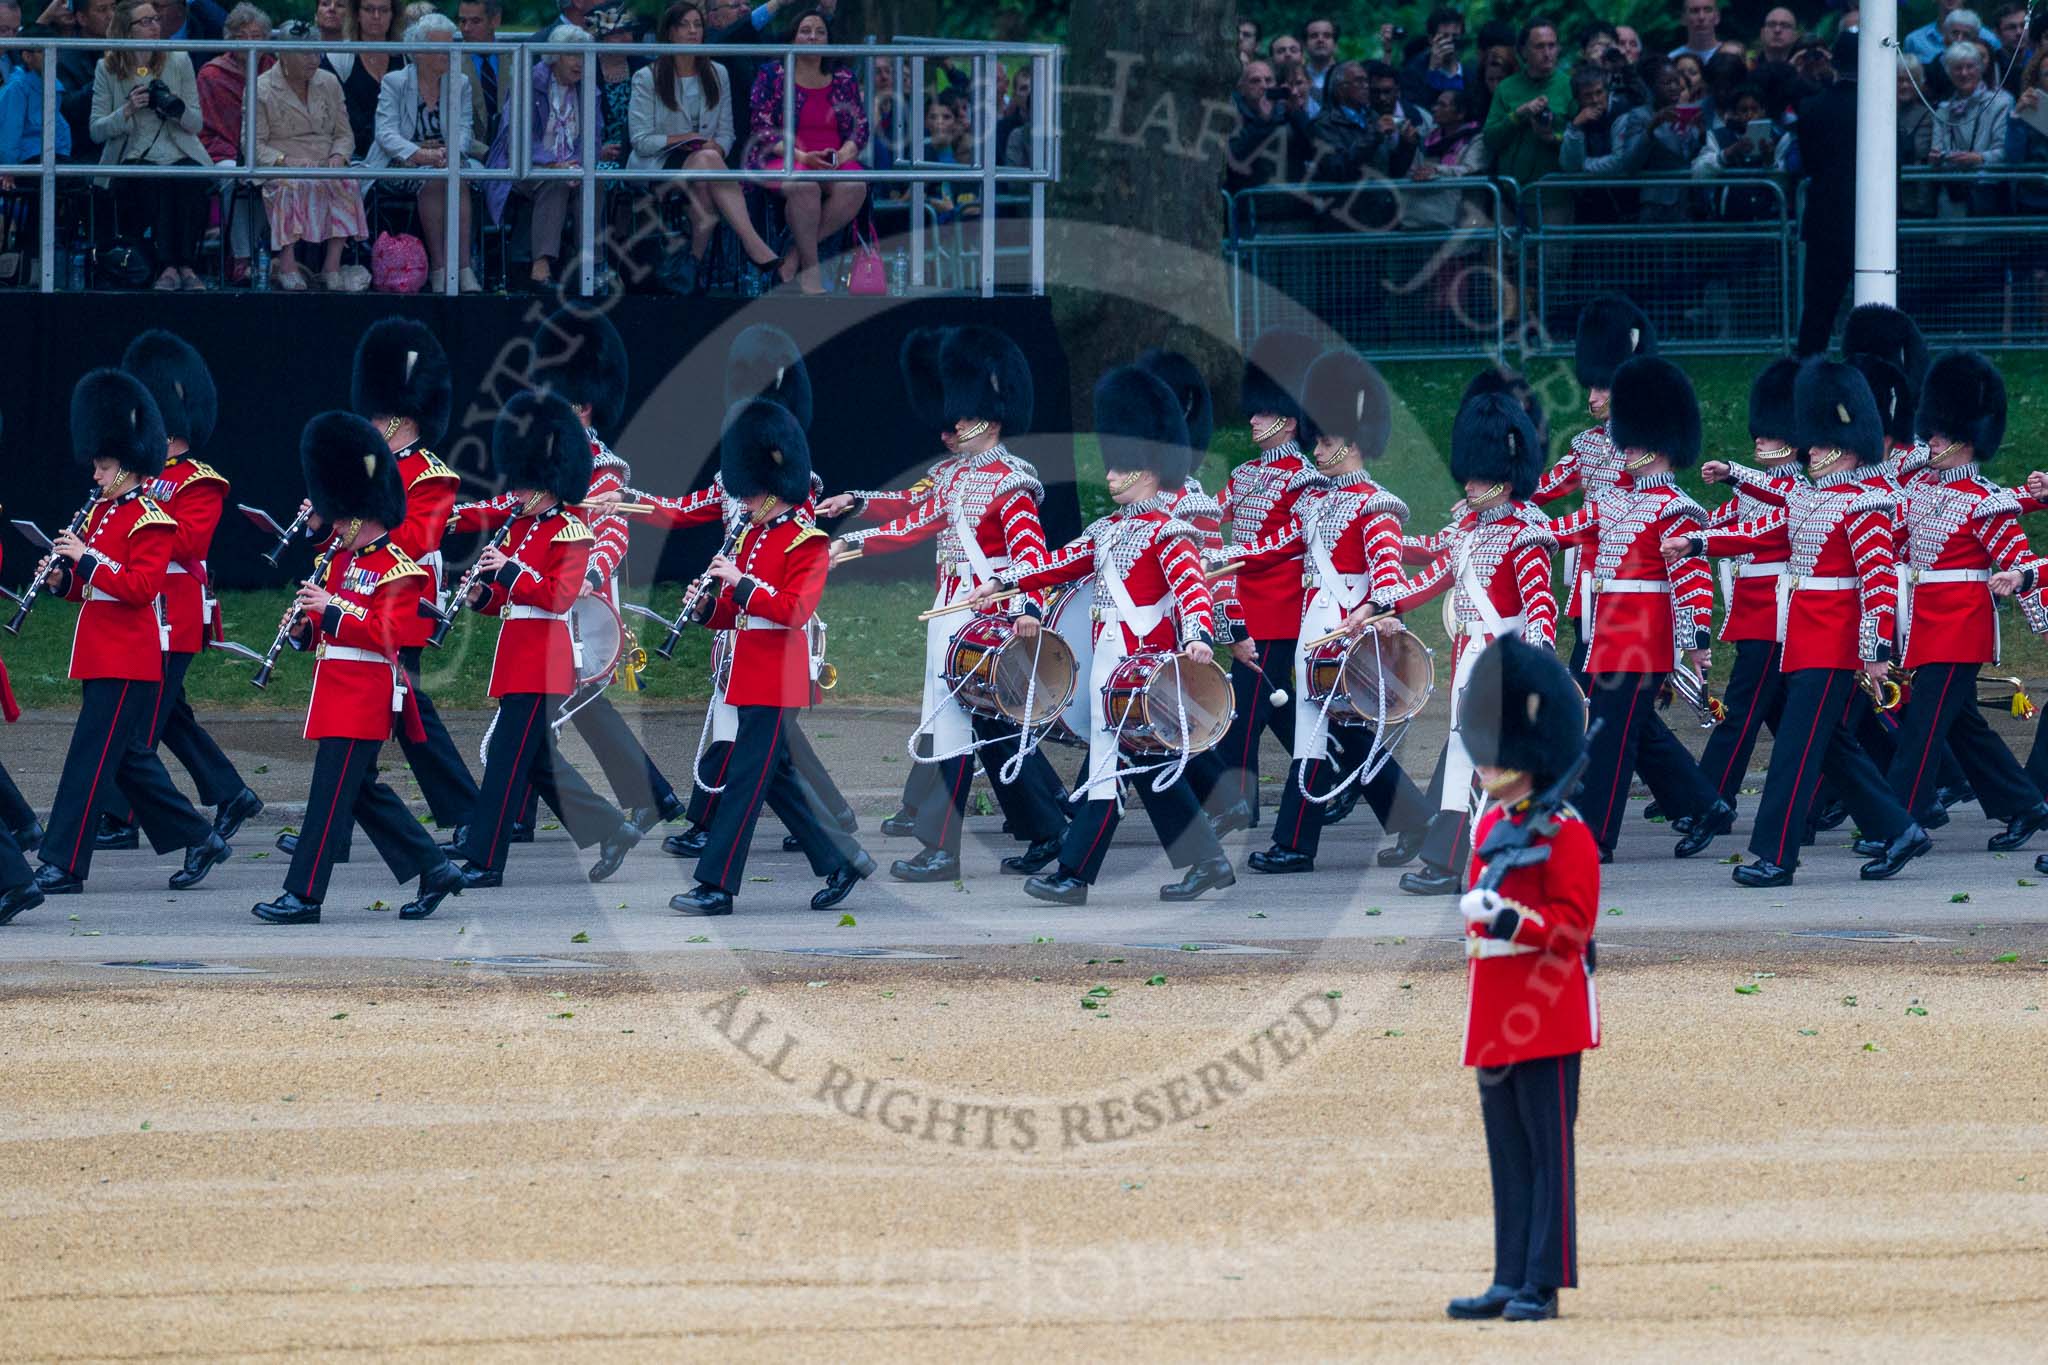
1479, 630
963, 569
1592, 588
1496, 947
1661, 587
102, 595
350, 654
1912, 579
175, 567
1142, 622
1776, 570
1788, 584
524, 613
758, 623
1916, 577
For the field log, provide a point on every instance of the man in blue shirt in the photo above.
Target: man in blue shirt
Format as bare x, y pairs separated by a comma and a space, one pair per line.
21, 109
1928, 42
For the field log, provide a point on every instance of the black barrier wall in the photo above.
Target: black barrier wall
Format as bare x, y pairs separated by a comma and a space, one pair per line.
278, 359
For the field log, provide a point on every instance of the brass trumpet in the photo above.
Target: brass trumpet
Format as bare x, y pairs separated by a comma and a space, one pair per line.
1692, 689
827, 676
1889, 695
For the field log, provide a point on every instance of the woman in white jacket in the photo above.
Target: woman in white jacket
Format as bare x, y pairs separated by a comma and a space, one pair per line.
412, 130
681, 118
145, 111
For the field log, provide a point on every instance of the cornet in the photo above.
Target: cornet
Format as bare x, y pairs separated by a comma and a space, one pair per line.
1886, 696
1690, 688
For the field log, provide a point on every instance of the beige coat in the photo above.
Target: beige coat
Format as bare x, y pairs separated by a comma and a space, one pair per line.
114, 126
295, 134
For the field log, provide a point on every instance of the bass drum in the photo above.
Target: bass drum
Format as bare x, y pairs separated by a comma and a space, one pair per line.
1148, 692
600, 640
1072, 618
997, 673
1353, 677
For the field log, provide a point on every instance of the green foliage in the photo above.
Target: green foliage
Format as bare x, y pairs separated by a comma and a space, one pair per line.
1656, 20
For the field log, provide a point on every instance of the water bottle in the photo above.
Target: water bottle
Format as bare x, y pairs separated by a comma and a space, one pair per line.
77, 276
899, 274
259, 277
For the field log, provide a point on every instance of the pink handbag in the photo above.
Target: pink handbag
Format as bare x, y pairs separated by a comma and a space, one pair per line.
868, 276
398, 263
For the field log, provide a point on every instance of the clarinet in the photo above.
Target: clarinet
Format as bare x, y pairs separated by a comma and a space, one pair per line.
291, 616
28, 599
696, 590
284, 542
444, 621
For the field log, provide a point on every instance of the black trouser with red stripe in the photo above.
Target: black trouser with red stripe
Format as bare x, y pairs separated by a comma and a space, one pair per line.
1634, 739
15, 814
1254, 685
450, 792
1755, 698
522, 751
347, 792
822, 793
1394, 799
175, 728
1813, 741
759, 773
1529, 1110
15, 811
1176, 818
628, 768
1031, 804
1941, 717
110, 757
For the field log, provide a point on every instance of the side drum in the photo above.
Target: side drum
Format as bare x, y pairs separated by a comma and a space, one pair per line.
1071, 616
1354, 676
1148, 694
999, 674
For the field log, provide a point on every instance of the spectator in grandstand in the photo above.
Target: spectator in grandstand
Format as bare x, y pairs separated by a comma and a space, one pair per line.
575, 14
1724, 75
1674, 137
1594, 40
2026, 145
1439, 65
10, 27
615, 31
737, 22
1286, 47
555, 129
333, 22
1630, 42
362, 77
75, 66
192, 19
1383, 89
831, 130
1916, 139
1783, 90
1692, 77
1014, 121
1290, 81
1247, 40
1702, 30
1600, 140
413, 130
1744, 140
1319, 48
302, 120
479, 21
222, 84
1970, 130
1530, 109
1353, 138
2015, 46
1931, 40
145, 111
1778, 36
1453, 147
21, 109
1496, 64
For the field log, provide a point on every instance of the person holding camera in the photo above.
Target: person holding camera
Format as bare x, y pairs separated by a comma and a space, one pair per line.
145, 111
1531, 109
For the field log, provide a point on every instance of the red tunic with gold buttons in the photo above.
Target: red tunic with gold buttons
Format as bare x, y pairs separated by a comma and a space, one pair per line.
546, 557
430, 489
193, 493
1956, 529
1265, 599
1506, 550
1639, 629
782, 563
1531, 988
128, 543
376, 590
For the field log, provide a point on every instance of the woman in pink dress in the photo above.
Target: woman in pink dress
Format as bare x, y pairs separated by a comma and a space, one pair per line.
831, 129
302, 120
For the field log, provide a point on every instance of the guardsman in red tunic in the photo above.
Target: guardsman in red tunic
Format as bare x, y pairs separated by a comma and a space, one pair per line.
1611, 331
353, 613
1961, 541
531, 575
1345, 534
767, 592
1643, 619
1533, 1012
1492, 568
114, 565
1151, 595
1834, 619
1262, 603
192, 493
982, 510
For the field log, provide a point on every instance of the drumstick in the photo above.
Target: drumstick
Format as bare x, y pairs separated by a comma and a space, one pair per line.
1221, 570
968, 604
624, 509
847, 555
1341, 632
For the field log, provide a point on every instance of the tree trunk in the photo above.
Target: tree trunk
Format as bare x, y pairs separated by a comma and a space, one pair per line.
1134, 246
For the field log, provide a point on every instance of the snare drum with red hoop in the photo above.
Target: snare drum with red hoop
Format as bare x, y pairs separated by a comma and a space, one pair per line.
1149, 692
992, 670
1352, 677
599, 639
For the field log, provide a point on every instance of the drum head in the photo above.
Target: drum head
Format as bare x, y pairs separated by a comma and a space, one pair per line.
1201, 692
1041, 669
1400, 670
1070, 618
596, 627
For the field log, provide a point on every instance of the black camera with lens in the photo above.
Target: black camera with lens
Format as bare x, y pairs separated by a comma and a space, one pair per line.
162, 102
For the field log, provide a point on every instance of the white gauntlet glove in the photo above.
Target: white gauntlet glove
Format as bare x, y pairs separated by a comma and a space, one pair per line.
1481, 907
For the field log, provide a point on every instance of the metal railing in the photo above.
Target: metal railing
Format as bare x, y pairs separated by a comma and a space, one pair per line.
1719, 266
908, 58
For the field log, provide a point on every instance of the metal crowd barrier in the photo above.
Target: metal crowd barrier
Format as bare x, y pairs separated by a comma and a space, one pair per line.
907, 57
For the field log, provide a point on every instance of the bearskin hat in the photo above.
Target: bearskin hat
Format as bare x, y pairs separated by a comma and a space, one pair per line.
1521, 711
401, 371
582, 357
1883, 331
1834, 408
1964, 400
1611, 330
986, 379
350, 471
923, 389
180, 383
1139, 421
538, 442
1654, 408
764, 451
1891, 391
1770, 401
1344, 396
114, 418
1492, 439
764, 362
1494, 379
1274, 369
1184, 377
